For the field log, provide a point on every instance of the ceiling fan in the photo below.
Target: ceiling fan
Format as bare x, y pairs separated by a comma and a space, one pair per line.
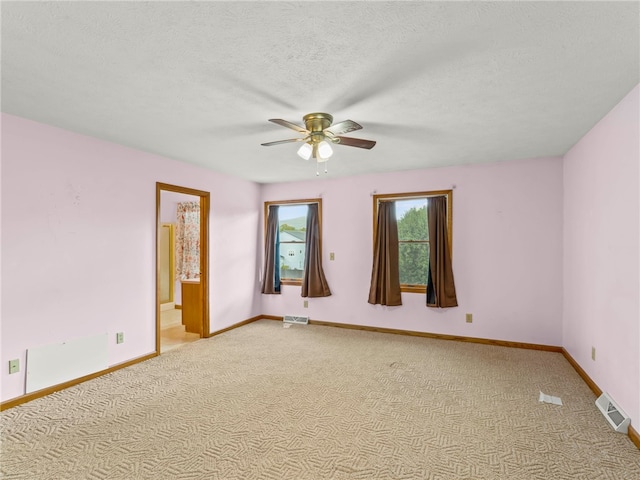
319, 134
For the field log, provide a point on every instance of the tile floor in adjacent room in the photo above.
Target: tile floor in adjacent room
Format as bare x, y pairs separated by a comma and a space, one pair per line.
172, 334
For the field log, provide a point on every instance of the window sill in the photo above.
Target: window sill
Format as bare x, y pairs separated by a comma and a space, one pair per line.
413, 289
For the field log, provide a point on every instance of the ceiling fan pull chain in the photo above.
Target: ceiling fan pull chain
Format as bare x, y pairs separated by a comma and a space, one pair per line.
317, 172
326, 167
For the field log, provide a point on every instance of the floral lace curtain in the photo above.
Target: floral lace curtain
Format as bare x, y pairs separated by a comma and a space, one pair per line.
188, 241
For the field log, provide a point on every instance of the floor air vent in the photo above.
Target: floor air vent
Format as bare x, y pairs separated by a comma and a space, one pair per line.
613, 413
294, 319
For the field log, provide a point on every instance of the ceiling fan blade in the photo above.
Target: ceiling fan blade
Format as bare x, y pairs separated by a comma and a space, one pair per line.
356, 142
290, 125
343, 127
279, 142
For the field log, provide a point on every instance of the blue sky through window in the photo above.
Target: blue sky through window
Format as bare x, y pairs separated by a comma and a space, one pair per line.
287, 212
403, 206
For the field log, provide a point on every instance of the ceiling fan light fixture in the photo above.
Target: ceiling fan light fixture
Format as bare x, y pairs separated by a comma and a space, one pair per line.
324, 149
305, 151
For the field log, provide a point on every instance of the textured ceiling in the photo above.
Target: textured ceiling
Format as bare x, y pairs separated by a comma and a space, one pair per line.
434, 83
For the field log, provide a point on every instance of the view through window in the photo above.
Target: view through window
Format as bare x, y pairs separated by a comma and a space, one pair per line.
292, 224
413, 241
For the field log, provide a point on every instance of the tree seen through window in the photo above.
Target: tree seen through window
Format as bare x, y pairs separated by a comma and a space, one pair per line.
413, 241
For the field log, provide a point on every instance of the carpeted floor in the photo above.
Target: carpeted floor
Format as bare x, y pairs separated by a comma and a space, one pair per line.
314, 402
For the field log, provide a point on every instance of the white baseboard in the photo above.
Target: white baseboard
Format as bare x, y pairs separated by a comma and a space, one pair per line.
167, 306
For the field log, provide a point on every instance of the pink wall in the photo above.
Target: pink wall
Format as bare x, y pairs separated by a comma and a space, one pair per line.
507, 251
78, 242
601, 241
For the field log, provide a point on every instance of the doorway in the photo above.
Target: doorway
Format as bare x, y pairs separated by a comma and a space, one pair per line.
182, 295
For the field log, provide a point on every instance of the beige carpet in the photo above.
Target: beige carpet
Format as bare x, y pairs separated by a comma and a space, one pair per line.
314, 402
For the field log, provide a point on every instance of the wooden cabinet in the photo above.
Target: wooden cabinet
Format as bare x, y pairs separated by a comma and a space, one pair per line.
192, 306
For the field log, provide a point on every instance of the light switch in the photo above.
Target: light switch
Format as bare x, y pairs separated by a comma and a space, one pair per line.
14, 366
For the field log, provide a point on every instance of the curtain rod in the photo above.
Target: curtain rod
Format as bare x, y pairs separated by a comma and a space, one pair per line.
375, 192
393, 196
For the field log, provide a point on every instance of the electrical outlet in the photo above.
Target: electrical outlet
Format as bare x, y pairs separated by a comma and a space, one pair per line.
120, 337
306, 304
469, 318
14, 366
593, 353
332, 256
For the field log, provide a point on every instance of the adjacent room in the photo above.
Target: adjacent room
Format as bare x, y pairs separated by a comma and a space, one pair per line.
320, 240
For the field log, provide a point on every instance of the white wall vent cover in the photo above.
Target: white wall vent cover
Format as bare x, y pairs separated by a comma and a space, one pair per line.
58, 363
613, 413
294, 319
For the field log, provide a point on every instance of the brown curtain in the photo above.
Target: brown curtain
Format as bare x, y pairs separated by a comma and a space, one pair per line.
441, 290
313, 282
271, 270
385, 276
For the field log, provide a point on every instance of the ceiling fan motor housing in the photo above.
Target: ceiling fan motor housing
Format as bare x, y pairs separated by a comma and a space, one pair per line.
316, 123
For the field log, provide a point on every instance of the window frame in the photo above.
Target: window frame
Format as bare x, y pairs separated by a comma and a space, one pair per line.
306, 201
448, 194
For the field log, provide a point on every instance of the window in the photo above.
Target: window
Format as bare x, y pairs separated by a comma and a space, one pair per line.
292, 230
413, 235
